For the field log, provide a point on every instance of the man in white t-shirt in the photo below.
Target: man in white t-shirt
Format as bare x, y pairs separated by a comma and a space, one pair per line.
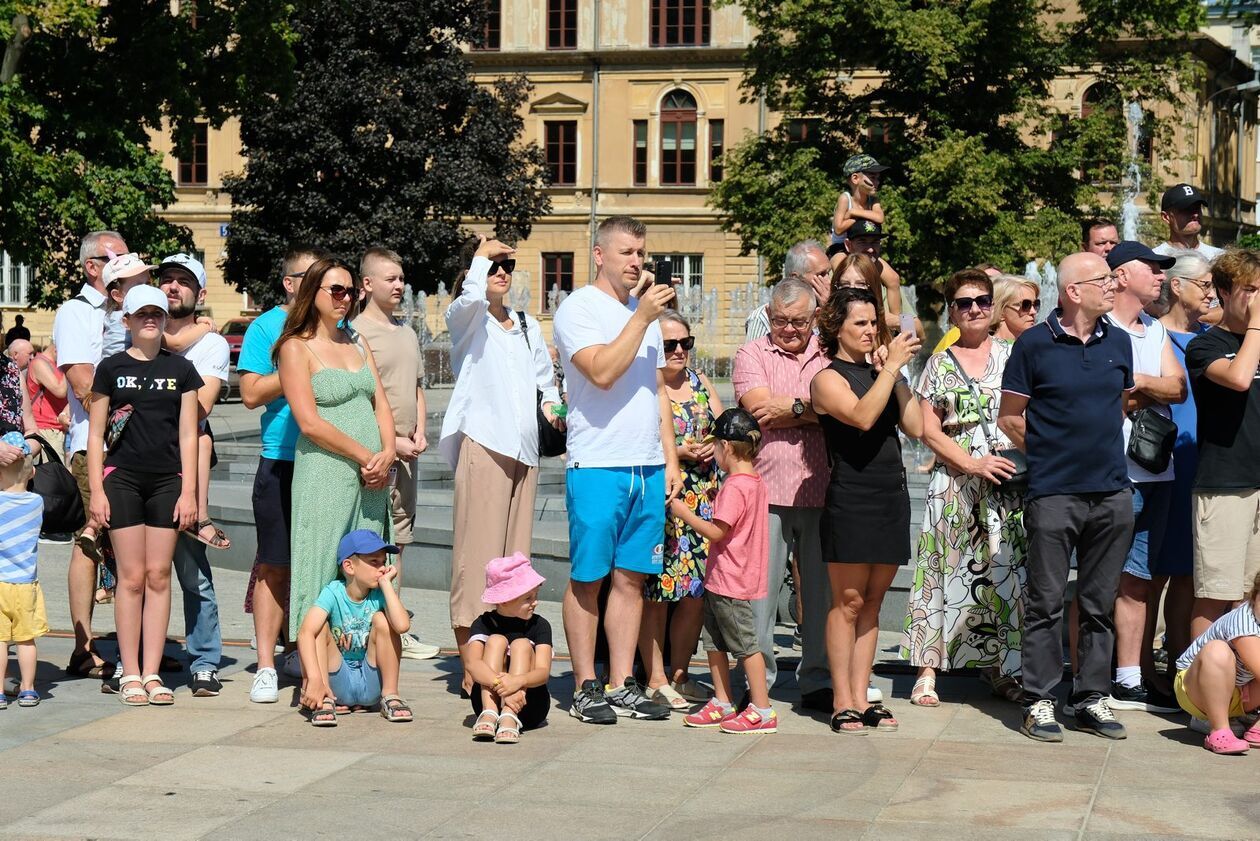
78, 331
182, 279
1182, 208
622, 467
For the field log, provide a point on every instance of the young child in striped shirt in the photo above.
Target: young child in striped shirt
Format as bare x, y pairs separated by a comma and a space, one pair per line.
22, 615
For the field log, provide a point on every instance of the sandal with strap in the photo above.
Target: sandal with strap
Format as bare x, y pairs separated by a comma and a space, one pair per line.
485, 726
848, 721
218, 540
878, 717
132, 696
395, 709
90, 546
670, 697
508, 734
326, 715
924, 692
1005, 687
155, 694
82, 665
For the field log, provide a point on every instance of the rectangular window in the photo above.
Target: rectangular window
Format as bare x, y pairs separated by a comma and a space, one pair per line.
802, 130
678, 152
688, 274
562, 18
492, 27
193, 170
557, 278
717, 137
15, 279
640, 152
680, 23
561, 148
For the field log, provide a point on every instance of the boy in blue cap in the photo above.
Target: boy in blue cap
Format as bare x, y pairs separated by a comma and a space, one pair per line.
350, 641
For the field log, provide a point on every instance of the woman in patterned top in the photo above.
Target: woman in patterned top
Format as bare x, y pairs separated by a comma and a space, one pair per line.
15, 410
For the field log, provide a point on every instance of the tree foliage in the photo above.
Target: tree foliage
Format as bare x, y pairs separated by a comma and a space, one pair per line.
386, 139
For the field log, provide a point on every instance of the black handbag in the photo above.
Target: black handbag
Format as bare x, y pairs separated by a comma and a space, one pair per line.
63, 507
551, 441
1151, 440
1017, 483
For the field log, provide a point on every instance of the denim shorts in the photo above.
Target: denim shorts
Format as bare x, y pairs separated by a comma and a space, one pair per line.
356, 683
1151, 502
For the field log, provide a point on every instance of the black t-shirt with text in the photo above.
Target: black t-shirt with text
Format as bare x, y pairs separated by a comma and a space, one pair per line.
150, 441
1229, 421
536, 629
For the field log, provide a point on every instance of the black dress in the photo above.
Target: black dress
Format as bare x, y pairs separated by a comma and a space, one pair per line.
866, 516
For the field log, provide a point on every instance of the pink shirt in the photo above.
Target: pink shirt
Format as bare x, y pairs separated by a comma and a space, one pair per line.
738, 563
792, 460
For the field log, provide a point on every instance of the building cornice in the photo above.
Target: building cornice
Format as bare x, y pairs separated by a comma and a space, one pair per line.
532, 61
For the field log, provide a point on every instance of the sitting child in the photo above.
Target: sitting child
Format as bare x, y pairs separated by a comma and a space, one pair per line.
1216, 676
736, 573
350, 641
22, 615
509, 654
861, 174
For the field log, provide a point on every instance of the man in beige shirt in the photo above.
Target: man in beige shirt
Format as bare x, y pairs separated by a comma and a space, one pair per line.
397, 352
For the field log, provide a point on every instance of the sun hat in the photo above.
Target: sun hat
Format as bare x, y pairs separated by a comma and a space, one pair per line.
363, 542
15, 439
509, 578
144, 296
124, 265
188, 263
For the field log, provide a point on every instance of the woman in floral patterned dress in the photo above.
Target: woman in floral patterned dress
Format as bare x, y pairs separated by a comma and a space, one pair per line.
695, 404
966, 605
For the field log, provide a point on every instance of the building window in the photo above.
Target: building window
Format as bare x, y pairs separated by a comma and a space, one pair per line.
680, 23
15, 279
193, 170
557, 278
717, 139
881, 132
562, 152
491, 28
688, 269
562, 17
678, 139
802, 130
640, 152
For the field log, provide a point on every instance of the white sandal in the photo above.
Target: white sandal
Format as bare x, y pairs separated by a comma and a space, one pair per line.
160, 689
924, 692
485, 726
670, 697
132, 696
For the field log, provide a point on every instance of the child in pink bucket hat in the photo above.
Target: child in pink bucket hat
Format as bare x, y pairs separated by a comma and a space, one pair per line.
509, 654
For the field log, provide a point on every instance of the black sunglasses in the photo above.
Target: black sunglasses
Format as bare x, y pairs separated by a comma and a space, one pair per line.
1028, 306
984, 302
671, 345
338, 292
508, 266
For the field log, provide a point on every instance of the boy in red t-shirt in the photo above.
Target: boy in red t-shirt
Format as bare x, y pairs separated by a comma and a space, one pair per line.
735, 575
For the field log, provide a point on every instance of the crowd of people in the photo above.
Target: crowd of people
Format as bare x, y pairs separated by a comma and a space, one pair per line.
1116, 433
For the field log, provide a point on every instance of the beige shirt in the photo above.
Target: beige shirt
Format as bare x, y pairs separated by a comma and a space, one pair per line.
397, 352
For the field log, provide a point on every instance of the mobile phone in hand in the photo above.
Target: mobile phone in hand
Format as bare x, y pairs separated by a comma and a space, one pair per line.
663, 273
907, 323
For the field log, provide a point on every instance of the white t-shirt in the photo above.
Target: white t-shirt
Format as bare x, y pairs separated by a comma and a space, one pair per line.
1207, 252
78, 331
620, 427
1148, 357
210, 356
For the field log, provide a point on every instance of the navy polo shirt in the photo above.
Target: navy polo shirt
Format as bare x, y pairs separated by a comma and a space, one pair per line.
1074, 419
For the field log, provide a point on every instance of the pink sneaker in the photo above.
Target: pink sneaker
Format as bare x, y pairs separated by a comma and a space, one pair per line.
710, 715
1225, 742
750, 721
1252, 736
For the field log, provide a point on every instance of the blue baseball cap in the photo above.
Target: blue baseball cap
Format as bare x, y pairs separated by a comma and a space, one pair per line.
363, 542
1129, 250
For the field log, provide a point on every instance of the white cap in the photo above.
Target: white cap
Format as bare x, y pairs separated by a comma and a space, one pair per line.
144, 296
189, 263
124, 265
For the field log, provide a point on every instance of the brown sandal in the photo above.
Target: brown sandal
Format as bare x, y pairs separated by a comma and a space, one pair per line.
218, 540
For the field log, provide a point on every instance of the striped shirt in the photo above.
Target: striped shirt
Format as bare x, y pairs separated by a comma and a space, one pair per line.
21, 515
1239, 622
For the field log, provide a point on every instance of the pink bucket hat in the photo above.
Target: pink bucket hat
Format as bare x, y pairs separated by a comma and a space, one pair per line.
509, 578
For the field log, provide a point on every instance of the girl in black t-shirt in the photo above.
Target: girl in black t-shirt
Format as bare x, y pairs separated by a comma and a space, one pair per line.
145, 489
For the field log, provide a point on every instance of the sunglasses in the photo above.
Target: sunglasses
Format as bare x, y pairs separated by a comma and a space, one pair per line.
672, 345
338, 292
508, 266
1027, 306
984, 302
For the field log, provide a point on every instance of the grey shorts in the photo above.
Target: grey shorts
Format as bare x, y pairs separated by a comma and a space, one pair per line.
729, 625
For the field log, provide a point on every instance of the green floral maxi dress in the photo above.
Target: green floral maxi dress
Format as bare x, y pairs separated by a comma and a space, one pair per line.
966, 605
328, 500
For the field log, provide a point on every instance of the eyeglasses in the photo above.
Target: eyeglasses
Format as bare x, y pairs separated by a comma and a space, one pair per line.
1102, 281
672, 345
796, 323
338, 292
1205, 286
984, 302
1026, 306
507, 266
295, 275
104, 258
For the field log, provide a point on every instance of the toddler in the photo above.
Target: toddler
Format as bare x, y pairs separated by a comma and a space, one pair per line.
858, 202
739, 557
22, 615
350, 641
508, 654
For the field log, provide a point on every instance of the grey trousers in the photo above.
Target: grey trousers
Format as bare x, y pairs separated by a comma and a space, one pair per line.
1099, 527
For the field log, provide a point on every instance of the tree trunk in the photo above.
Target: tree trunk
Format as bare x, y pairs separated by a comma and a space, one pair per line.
13, 50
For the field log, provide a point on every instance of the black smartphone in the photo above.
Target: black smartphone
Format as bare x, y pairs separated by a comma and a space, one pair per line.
663, 273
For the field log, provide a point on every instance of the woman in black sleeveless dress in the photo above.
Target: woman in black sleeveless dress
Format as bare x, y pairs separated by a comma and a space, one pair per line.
866, 519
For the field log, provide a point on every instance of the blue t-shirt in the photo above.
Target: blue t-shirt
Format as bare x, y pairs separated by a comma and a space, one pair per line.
279, 430
21, 515
349, 621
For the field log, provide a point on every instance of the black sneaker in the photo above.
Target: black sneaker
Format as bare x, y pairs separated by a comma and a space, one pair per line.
1143, 698
1039, 723
109, 686
1097, 718
630, 701
590, 705
205, 683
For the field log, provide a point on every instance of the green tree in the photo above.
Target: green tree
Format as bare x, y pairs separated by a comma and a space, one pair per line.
385, 139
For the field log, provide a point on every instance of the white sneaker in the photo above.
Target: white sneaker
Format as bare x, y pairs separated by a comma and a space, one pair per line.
873, 694
413, 649
293, 665
253, 643
266, 687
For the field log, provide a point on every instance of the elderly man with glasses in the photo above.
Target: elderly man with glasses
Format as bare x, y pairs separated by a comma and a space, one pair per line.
807, 261
1063, 395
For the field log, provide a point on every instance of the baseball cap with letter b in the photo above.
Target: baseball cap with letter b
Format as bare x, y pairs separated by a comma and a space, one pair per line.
1180, 197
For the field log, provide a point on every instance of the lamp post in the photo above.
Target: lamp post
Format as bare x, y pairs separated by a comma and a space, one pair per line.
1243, 87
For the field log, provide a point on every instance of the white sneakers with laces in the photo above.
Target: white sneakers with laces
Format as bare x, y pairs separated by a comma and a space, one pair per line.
266, 687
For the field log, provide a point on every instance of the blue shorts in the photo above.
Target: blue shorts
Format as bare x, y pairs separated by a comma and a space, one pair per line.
356, 683
1151, 501
616, 519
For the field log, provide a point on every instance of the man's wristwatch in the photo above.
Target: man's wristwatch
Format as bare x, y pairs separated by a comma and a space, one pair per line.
798, 407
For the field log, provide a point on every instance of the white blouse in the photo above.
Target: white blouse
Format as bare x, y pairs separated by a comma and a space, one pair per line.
496, 377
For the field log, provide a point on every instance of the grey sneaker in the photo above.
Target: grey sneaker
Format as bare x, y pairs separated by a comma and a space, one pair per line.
265, 689
1039, 723
630, 701
1097, 718
591, 706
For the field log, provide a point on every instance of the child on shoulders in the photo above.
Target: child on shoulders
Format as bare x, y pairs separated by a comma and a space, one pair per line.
509, 654
23, 618
736, 573
861, 173
350, 641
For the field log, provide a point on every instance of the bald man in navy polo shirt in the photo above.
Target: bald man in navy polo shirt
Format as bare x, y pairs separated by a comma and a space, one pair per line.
1062, 403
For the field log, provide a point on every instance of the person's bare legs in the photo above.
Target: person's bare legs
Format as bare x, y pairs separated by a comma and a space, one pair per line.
159, 548
385, 653
1210, 682
520, 661
720, 672
27, 663
652, 642
81, 592
1130, 619
1204, 613
1178, 606
494, 655
272, 580
866, 630
129, 555
621, 624
1147, 655
848, 585
461, 644
755, 672
580, 611
683, 636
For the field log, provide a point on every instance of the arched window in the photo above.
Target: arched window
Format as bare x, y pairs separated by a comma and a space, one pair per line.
678, 139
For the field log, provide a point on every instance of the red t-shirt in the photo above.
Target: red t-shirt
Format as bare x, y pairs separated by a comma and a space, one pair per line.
738, 564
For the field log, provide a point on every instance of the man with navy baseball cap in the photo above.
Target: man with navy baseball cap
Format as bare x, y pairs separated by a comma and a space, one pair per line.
1182, 209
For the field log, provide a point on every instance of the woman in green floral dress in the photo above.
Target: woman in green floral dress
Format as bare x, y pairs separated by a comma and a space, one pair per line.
681, 582
966, 605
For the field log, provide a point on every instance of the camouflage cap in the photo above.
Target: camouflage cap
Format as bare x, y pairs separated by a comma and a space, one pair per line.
862, 163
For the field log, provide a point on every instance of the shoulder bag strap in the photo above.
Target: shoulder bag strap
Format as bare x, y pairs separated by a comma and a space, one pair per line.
520, 315
962, 372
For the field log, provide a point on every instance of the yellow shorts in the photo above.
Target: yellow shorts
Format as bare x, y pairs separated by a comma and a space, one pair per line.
1179, 687
22, 613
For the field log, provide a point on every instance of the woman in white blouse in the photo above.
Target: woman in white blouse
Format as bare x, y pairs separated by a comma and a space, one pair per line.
490, 432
